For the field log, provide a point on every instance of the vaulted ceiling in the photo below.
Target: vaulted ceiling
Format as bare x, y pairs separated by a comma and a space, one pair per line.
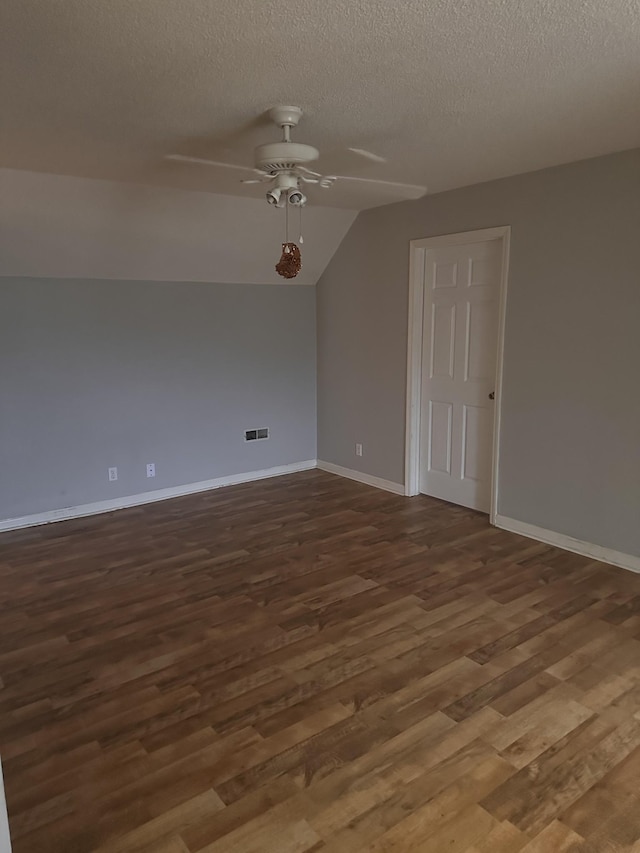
54, 226
451, 92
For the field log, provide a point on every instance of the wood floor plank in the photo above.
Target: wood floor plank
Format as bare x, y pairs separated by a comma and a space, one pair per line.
557, 837
305, 664
503, 838
168, 827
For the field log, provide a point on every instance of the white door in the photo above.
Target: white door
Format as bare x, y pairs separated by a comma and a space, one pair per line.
459, 353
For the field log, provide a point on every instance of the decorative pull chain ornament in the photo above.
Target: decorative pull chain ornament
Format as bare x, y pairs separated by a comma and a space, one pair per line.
290, 261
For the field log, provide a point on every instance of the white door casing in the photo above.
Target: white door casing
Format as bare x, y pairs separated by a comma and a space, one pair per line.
456, 329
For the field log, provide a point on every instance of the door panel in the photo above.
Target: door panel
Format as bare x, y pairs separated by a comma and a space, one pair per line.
476, 436
480, 341
459, 352
440, 424
443, 326
445, 273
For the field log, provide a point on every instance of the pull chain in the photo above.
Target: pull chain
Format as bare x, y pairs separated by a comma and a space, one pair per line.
300, 239
286, 220
290, 261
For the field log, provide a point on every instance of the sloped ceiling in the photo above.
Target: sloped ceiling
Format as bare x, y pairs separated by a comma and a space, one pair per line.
60, 227
452, 92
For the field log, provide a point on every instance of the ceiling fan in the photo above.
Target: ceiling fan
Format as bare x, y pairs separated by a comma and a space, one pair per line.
285, 165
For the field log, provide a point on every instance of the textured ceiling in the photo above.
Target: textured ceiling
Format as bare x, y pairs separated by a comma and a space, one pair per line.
452, 92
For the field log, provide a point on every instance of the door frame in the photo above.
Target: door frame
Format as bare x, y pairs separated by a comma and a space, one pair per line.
416, 335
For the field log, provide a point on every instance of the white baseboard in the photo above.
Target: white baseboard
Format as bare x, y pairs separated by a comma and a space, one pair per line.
151, 497
560, 540
5, 840
367, 479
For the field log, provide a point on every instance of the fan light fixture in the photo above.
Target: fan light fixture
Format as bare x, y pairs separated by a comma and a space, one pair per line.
285, 164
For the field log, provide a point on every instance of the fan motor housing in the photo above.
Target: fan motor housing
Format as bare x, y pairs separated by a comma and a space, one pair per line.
283, 156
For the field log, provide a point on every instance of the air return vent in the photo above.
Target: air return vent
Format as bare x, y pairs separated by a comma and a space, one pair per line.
256, 434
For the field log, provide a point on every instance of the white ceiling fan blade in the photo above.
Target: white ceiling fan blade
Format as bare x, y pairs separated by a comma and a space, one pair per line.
182, 158
408, 190
264, 180
306, 171
368, 155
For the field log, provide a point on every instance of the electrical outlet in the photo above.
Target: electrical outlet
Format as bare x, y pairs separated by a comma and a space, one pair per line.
358, 449
151, 469
113, 474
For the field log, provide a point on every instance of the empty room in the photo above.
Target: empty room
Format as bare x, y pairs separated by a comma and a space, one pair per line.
319, 426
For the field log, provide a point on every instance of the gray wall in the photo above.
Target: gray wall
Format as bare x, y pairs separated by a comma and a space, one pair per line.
102, 373
570, 450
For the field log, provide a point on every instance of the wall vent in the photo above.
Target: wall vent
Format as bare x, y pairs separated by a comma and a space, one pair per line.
256, 434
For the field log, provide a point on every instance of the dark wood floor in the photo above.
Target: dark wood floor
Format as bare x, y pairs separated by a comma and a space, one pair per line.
306, 663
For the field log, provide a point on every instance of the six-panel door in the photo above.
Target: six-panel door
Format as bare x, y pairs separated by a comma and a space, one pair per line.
459, 352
